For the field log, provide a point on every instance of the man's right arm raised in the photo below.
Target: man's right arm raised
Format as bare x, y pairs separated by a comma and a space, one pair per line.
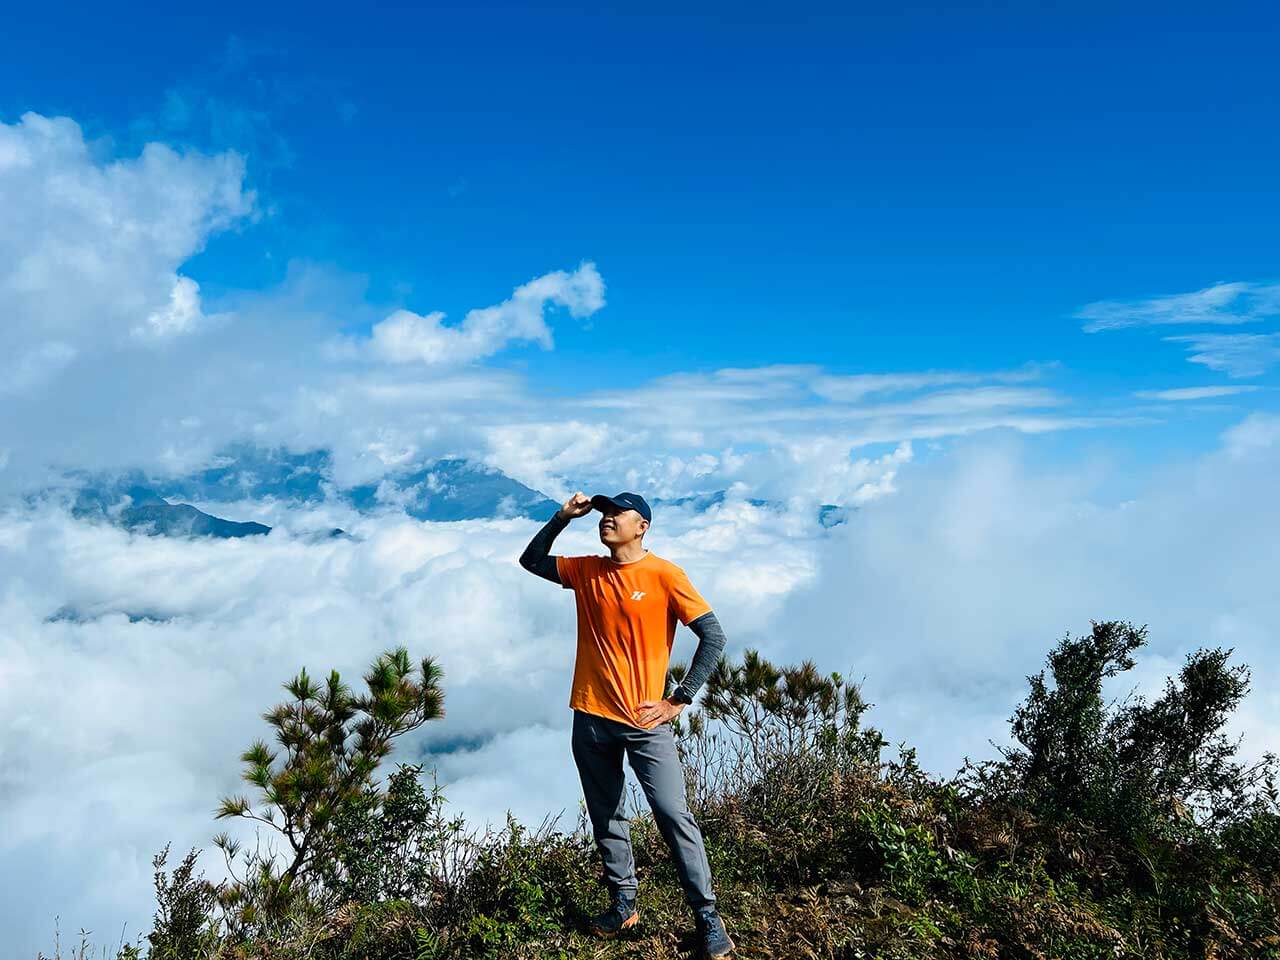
537, 556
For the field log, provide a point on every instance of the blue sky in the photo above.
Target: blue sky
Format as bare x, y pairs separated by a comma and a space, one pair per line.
905, 189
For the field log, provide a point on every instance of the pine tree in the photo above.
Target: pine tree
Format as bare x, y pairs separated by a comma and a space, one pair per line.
330, 742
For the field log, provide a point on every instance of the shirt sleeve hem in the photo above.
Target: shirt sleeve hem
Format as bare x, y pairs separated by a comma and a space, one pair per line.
696, 614
561, 567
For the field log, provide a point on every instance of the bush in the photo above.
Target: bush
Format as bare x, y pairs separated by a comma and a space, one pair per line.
770, 754
1140, 770
522, 886
396, 844
184, 927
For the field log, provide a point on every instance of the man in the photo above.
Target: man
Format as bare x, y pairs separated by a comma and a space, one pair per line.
628, 604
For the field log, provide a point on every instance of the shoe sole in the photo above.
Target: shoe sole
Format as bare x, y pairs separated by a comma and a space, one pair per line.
722, 956
631, 921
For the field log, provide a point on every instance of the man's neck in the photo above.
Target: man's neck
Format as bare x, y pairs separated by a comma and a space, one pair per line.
628, 552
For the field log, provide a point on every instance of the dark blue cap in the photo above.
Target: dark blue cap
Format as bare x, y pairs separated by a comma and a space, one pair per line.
623, 501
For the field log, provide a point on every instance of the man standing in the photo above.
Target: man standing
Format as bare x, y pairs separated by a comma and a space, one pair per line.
628, 604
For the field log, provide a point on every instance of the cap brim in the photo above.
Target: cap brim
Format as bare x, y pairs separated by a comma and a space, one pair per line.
600, 501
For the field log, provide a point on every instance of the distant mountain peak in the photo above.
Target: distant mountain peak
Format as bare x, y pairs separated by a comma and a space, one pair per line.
140, 509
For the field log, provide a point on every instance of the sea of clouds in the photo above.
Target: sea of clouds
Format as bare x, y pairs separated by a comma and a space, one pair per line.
120, 736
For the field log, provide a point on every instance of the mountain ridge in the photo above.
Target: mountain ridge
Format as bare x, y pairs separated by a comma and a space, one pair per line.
444, 490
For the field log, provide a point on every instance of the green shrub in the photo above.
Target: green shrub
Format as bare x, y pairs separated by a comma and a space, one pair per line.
1139, 768
184, 926
522, 885
395, 844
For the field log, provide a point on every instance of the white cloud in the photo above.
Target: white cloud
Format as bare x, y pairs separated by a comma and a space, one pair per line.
540, 454
1221, 303
704, 431
1194, 393
1235, 354
853, 388
1253, 437
36, 365
90, 249
181, 315
90, 252
494, 777
406, 337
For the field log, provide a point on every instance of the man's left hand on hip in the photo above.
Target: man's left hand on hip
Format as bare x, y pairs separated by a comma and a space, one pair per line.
653, 712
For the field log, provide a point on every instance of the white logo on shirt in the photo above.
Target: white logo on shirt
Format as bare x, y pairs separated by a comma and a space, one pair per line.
639, 594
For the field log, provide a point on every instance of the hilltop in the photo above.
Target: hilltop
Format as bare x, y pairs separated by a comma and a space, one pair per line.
1116, 830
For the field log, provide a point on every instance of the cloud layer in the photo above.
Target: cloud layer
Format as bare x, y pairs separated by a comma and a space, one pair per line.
120, 733
946, 595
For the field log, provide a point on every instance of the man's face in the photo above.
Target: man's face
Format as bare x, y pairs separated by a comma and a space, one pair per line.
621, 526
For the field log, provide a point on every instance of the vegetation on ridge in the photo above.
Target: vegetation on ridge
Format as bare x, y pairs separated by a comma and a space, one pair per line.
1127, 829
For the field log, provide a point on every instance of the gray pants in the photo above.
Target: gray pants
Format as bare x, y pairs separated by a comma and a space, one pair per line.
598, 746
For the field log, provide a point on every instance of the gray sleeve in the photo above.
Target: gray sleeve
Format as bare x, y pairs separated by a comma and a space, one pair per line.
711, 641
536, 557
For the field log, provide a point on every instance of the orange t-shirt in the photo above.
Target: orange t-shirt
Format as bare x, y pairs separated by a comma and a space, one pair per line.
627, 615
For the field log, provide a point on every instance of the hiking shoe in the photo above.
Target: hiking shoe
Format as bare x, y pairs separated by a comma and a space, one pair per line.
620, 915
715, 939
